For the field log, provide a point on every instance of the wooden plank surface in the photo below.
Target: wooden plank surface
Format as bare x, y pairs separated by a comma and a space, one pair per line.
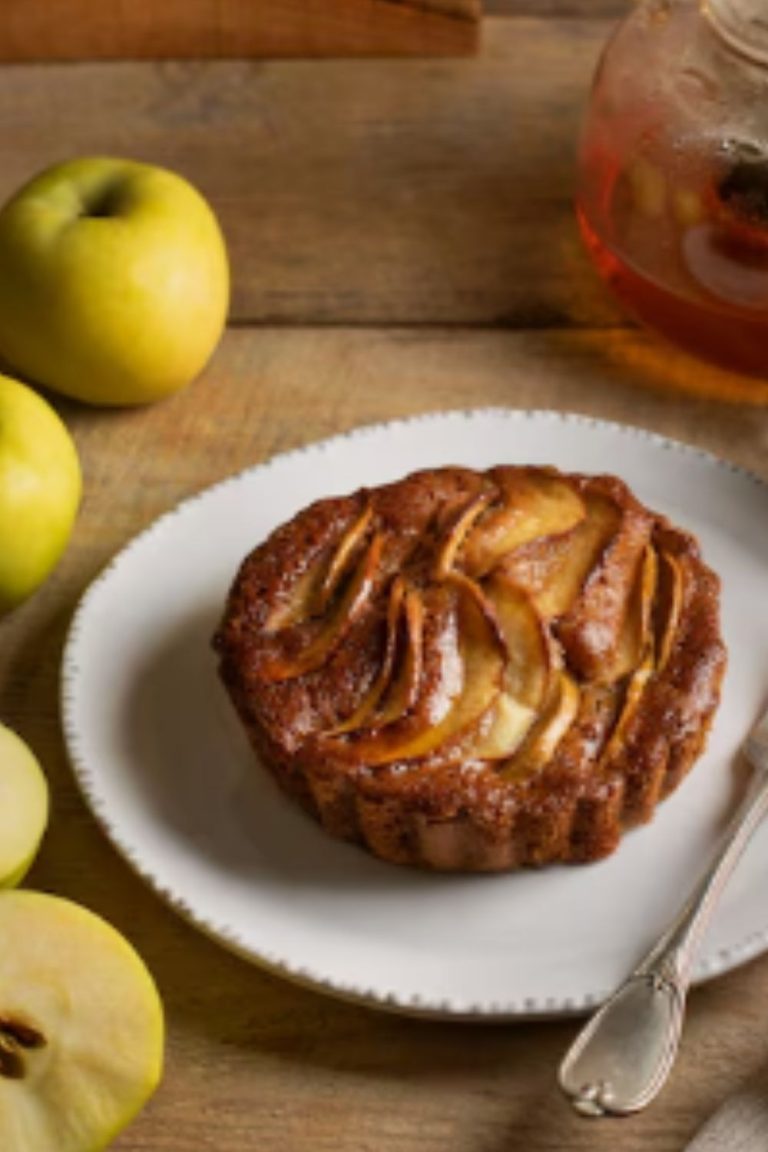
587, 9
255, 1064
380, 200
82, 30
404, 192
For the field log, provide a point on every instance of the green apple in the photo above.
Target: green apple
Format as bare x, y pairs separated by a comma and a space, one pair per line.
40, 487
23, 807
81, 1027
114, 282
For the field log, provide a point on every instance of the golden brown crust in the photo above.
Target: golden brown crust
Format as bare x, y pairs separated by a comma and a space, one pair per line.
477, 671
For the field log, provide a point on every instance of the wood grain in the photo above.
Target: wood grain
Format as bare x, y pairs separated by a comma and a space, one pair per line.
588, 9
739, 1125
82, 30
254, 1063
393, 203
402, 192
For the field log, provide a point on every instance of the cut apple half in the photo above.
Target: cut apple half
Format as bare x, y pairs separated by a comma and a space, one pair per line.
549, 729
24, 806
81, 1027
337, 624
533, 503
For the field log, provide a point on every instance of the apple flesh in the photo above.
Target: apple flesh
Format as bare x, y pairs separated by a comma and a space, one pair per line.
23, 808
81, 1027
533, 504
40, 489
114, 282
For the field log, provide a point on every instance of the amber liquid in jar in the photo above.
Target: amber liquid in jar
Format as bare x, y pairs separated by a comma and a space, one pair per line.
674, 208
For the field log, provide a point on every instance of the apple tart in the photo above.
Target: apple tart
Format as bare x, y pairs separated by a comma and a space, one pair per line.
476, 670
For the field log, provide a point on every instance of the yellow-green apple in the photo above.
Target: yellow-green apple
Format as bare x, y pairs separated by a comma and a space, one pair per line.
40, 486
23, 807
114, 282
81, 1027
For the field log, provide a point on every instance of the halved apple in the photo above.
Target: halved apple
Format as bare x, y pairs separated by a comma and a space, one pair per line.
533, 503
337, 624
81, 1027
24, 804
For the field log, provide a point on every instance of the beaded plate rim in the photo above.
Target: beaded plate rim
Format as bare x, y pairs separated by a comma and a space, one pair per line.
386, 999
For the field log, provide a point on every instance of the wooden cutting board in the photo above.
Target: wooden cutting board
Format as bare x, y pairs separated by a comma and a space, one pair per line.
148, 29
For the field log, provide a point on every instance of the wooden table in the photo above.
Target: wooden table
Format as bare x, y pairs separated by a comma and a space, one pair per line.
402, 241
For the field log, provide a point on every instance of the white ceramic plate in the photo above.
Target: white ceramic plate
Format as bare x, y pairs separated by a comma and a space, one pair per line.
166, 769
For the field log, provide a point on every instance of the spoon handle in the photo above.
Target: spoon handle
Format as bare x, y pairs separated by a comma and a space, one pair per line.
622, 1058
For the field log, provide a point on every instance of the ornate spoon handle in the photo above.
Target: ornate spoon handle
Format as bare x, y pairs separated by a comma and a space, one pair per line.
622, 1058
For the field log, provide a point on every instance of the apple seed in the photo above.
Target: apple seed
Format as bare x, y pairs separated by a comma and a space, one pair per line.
14, 1038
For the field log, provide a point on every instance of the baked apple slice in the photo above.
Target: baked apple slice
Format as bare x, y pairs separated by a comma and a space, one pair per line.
454, 540
670, 606
467, 662
530, 654
395, 689
633, 694
337, 623
23, 808
81, 1027
590, 628
530, 664
506, 726
549, 729
635, 637
639, 657
404, 686
534, 503
555, 568
341, 561
312, 591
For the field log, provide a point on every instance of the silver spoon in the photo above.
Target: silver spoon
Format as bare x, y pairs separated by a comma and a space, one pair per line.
622, 1058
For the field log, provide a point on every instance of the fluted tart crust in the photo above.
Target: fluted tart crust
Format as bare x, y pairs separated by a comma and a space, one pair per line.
476, 670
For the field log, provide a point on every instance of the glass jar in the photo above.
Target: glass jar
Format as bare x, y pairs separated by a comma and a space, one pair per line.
673, 188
